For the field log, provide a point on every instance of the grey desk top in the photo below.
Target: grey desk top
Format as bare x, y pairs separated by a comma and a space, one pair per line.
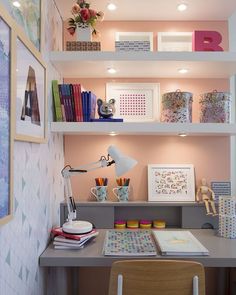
222, 253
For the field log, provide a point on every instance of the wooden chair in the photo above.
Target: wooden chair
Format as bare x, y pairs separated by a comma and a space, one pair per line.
157, 277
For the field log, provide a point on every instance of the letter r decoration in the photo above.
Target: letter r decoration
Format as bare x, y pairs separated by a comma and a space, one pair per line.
207, 41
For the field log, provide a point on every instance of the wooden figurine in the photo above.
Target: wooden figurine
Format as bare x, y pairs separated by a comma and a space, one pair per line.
206, 195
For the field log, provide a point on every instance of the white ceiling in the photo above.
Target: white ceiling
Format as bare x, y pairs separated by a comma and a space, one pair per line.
147, 10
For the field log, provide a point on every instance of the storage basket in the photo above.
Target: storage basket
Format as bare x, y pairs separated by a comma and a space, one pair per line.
177, 107
227, 205
227, 226
215, 107
227, 217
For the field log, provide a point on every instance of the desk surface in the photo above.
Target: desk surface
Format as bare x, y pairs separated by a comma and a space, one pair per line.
222, 253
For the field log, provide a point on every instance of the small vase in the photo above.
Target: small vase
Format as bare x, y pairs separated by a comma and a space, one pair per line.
83, 33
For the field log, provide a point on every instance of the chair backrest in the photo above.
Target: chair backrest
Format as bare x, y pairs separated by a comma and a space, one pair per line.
154, 277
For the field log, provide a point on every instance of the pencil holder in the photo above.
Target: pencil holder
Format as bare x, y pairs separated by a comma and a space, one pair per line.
227, 205
100, 193
227, 217
227, 226
122, 193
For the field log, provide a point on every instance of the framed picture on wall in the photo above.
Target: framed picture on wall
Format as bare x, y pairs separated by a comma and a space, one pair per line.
30, 112
171, 183
135, 102
28, 16
6, 134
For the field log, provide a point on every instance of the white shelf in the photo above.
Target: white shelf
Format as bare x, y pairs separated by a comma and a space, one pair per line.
152, 128
94, 64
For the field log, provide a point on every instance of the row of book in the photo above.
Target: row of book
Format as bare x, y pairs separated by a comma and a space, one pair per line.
71, 104
62, 240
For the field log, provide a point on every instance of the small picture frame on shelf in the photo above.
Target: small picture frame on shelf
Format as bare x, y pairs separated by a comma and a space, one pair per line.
171, 183
134, 41
135, 102
174, 41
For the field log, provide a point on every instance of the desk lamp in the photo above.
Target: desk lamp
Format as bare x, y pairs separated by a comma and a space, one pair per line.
122, 165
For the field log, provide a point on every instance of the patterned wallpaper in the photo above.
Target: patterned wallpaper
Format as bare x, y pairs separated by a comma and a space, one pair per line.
38, 191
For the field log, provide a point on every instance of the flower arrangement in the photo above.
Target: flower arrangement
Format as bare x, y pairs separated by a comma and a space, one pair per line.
84, 16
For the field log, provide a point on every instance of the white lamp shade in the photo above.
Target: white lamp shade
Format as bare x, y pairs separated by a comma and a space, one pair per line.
122, 163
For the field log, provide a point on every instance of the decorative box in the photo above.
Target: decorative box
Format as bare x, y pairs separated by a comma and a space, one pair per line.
177, 107
227, 217
132, 45
83, 46
215, 107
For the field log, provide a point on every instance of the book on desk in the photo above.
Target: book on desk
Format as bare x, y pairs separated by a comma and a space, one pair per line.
179, 242
65, 241
141, 243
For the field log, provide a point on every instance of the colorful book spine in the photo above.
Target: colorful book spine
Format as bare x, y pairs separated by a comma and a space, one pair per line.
57, 101
62, 102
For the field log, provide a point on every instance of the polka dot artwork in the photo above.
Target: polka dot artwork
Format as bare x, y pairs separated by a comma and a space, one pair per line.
135, 102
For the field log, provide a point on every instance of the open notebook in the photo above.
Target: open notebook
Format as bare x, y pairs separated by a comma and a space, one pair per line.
179, 243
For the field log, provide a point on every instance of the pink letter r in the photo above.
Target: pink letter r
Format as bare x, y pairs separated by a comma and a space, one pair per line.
207, 41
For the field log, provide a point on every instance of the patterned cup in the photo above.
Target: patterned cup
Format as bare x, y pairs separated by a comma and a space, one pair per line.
100, 193
122, 193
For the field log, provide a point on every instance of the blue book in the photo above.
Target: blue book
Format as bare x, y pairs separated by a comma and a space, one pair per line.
107, 120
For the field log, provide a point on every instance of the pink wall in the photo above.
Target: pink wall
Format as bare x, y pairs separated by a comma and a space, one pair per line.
196, 86
210, 157
109, 28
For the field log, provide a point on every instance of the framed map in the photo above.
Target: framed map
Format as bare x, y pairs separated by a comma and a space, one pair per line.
171, 183
6, 142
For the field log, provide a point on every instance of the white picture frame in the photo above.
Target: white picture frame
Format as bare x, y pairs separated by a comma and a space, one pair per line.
135, 102
135, 36
174, 41
31, 93
171, 183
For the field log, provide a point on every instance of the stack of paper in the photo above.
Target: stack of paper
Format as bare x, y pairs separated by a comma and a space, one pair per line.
64, 240
178, 243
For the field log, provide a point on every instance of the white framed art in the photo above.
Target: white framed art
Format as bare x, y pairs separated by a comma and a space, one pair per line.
135, 102
171, 183
174, 41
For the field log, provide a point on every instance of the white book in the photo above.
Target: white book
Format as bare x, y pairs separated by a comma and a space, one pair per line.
179, 243
67, 248
69, 243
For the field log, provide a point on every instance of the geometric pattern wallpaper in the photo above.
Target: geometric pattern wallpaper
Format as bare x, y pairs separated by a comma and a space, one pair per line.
37, 193
38, 190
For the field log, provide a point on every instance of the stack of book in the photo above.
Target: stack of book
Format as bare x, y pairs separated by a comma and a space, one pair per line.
71, 104
65, 241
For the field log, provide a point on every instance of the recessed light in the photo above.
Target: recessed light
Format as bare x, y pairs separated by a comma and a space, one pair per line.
16, 4
183, 71
182, 134
111, 6
112, 133
111, 70
182, 7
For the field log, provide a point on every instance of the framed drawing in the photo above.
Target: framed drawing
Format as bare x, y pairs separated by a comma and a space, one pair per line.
135, 102
6, 134
171, 183
27, 13
30, 112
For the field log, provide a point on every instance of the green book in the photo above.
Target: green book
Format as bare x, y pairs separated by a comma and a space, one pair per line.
57, 101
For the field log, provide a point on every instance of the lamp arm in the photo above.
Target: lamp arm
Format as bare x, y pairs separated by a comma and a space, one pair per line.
68, 171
